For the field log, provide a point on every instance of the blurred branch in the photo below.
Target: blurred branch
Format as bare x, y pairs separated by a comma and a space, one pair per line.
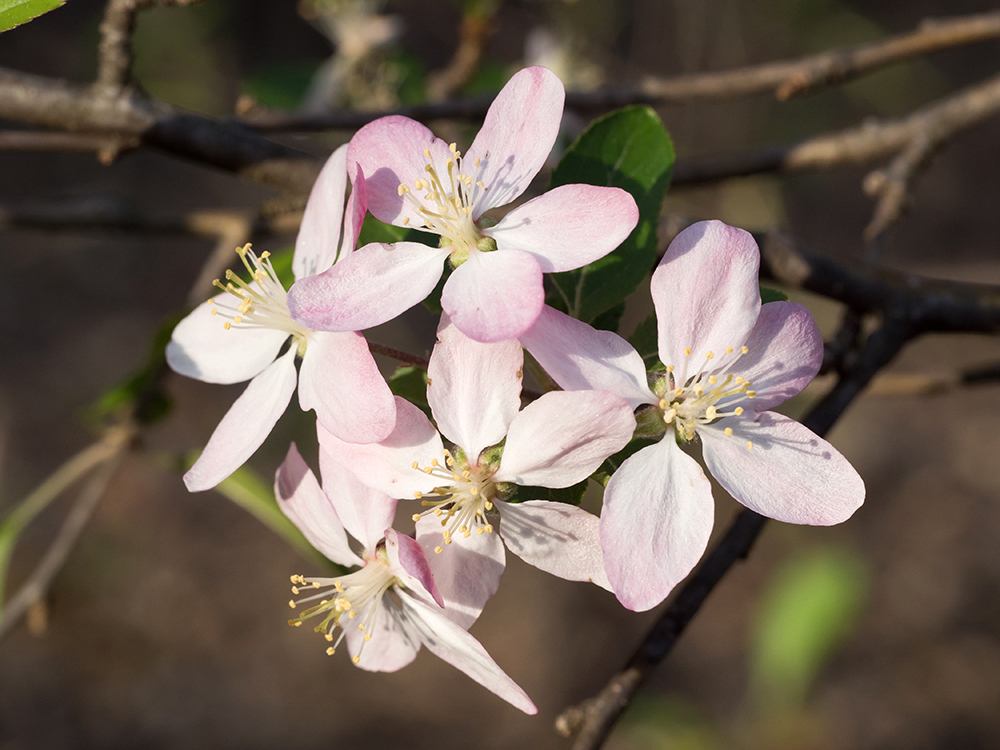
476, 29
924, 129
41, 578
908, 306
785, 79
114, 52
139, 120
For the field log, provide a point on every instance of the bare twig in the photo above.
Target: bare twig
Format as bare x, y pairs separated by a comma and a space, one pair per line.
476, 29
396, 354
114, 52
37, 100
33, 589
785, 78
863, 144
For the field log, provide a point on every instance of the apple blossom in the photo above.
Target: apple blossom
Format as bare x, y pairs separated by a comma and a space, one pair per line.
728, 360
416, 180
556, 441
240, 334
391, 606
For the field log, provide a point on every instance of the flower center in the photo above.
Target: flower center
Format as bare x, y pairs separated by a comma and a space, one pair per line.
262, 300
709, 394
463, 501
359, 593
447, 201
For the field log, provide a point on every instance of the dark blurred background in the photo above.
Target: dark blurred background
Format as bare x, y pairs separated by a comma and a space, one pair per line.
166, 628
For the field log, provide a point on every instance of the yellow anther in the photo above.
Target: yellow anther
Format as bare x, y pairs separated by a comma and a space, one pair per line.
297, 624
368, 637
437, 511
227, 325
489, 505
414, 465
437, 550
291, 603
329, 636
418, 494
415, 516
238, 319
739, 410
479, 530
473, 490
738, 380
330, 651
361, 628
315, 584
466, 474
743, 350
451, 147
663, 403
295, 590
712, 379
729, 431
427, 470
687, 351
427, 153
670, 368
729, 350
489, 528
749, 445
402, 189
434, 462
476, 163
215, 311
463, 529
406, 221
710, 355
356, 659
751, 394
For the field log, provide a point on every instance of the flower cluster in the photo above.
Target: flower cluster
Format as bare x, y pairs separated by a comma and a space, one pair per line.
476, 475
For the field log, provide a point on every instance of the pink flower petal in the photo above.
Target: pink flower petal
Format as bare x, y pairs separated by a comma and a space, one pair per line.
319, 235
409, 563
785, 352
368, 287
558, 538
365, 512
354, 213
340, 380
201, 347
579, 357
517, 136
467, 571
569, 226
474, 389
452, 644
656, 522
563, 437
390, 151
247, 423
388, 466
791, 474
307, 506
494, 296
393, 645
706, 293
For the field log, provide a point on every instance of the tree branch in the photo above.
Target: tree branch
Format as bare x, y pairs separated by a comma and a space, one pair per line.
785, 78
909, 305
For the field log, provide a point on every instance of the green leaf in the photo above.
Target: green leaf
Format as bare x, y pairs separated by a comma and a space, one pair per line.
772, 295
644, 340
570, 495
247, 489
609, 320
610, 465
410, 382
629, 149
804, 615
15, 12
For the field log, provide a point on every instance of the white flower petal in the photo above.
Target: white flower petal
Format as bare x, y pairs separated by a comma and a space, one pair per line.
365, 512
319, 235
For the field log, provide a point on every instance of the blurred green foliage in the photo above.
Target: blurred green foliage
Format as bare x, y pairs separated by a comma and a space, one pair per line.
15, 12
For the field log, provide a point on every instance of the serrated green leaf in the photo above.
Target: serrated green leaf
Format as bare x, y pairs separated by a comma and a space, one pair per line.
644, 340
15, 12
629, 149
804, 615
410, 382
570, 495
772, 295
247, 489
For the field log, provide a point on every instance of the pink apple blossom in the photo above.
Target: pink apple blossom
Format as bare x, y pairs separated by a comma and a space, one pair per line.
729, 360
391, 606
240, 335
556, 441
417, 180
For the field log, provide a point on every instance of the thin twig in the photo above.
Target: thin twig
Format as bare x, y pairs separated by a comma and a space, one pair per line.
784, 78
34, 588
397, 354
114, 52
870, 142
477, 27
